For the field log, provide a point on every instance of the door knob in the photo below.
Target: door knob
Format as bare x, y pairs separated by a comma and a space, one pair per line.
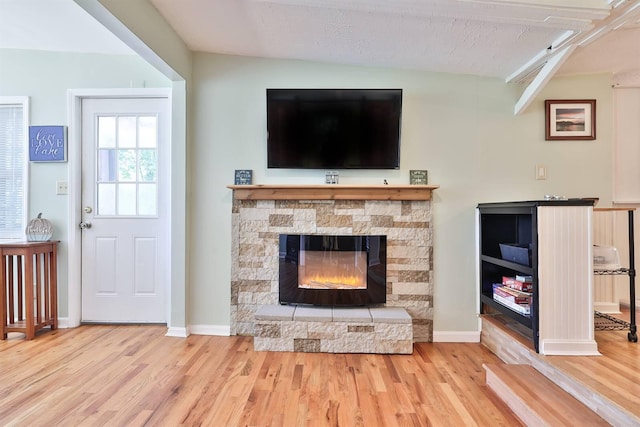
84, 225
87, 209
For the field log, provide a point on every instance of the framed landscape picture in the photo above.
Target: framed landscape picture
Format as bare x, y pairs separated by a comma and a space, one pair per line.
570, 119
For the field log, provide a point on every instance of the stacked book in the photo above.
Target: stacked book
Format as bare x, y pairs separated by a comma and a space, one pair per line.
519, 283
515, 293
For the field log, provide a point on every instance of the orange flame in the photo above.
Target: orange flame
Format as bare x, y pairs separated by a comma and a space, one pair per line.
318, 281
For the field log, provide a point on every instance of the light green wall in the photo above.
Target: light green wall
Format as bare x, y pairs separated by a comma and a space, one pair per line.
45, 77
460, 128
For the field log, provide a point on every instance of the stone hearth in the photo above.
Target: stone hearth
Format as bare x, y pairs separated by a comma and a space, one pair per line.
257, 224
383, 330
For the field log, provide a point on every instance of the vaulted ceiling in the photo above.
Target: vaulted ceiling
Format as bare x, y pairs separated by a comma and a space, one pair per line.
509, 39
500, 38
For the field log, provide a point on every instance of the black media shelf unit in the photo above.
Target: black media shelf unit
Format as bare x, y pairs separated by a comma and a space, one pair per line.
512, 223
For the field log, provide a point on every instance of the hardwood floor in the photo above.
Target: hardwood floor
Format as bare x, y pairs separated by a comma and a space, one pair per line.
608, 384
134, 375
615, 375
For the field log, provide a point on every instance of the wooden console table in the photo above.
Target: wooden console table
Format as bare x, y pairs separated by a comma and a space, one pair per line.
29, 297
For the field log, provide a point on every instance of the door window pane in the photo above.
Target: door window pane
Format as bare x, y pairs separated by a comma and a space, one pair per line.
148, 166
126, 131
126, 165
106, 131
147, 137
126, 199
106, 199
107, 165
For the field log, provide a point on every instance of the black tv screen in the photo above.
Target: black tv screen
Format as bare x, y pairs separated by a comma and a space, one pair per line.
333, 128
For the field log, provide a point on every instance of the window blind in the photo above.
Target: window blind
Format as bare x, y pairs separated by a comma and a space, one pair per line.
13, 169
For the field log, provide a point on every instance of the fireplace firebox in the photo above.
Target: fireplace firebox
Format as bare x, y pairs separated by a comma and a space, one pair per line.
332, 270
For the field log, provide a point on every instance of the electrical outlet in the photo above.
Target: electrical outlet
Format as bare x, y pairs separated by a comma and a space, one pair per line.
62, 187
541, 172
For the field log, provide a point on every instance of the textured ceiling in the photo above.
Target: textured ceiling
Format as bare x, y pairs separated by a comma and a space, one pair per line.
489, 38
500, 38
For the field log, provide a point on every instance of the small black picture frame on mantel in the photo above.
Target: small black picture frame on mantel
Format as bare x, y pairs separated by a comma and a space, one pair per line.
243, 177
418, 177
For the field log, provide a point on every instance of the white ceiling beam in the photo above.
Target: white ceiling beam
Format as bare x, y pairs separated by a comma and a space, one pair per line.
524, 73
564, 14
623, 13
106, 18
539, 82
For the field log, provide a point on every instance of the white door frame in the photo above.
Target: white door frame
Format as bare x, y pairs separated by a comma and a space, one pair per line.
74, 156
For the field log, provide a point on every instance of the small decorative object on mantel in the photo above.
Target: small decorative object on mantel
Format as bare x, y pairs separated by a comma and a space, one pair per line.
39, 229
418, 177
570, 119
243, 177
47, 143
331, 177
554, 197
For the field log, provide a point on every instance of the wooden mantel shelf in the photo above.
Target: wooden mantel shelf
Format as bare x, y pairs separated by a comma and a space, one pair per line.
332, 192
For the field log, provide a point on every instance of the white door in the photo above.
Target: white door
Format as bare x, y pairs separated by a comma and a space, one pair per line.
125, 199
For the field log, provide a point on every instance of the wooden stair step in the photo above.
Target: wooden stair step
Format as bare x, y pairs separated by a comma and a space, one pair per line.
535, 399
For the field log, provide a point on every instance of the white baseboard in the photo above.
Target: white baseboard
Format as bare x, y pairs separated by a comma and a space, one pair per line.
569, 348
173, 331
63, 323
218, 330
456, 336
179, 332
607, 307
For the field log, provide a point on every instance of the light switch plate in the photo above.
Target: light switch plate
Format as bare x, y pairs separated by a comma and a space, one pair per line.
62, 187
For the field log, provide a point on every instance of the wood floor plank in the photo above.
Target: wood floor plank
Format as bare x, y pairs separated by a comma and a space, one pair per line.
544, 402
135, 376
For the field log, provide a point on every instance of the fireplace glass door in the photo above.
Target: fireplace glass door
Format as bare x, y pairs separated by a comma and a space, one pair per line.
332, 270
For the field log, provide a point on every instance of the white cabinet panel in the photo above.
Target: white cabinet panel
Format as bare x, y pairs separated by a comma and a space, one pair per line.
626, 169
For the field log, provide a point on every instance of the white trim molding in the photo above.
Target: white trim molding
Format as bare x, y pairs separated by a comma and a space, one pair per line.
74, 114
456, 336
177, 332
217, 330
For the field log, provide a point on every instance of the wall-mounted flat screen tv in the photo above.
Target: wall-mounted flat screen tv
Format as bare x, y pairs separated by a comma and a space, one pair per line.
334, 128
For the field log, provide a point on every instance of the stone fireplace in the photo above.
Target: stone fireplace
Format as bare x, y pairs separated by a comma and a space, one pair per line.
260, 214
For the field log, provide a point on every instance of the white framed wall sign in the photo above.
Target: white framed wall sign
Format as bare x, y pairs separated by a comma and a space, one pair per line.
47, 143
